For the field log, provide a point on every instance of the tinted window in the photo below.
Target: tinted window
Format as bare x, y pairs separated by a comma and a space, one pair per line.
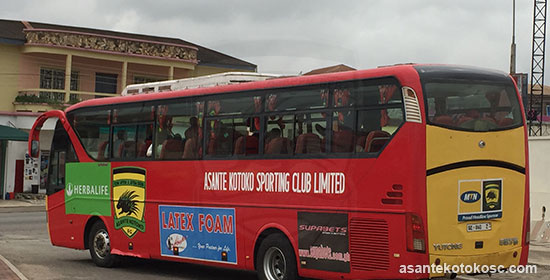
179, 133
366, 93
61, 152
135, 113
92, 127
232, 106
131, 141
472, 106
361, 117
313, 97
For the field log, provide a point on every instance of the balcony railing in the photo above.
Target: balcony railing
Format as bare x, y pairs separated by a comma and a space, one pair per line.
111, 44
38, 99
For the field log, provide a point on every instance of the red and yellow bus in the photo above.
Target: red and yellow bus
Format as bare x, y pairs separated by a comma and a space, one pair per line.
340, 176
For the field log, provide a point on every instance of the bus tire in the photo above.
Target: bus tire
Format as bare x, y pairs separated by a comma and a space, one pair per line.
275, 259
100, 246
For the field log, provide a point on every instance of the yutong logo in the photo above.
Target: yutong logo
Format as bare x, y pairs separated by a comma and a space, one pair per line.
447, 246
86, 189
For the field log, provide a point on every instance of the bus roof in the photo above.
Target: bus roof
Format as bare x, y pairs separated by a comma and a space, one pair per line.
226, 78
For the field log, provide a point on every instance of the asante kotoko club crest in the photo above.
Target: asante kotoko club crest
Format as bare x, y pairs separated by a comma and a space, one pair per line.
128, 199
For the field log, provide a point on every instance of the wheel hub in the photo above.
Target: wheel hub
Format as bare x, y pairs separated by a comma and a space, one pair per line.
102, 245
274, 264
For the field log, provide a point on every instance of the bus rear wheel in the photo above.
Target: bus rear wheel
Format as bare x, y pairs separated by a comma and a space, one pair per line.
276, 259
100, 246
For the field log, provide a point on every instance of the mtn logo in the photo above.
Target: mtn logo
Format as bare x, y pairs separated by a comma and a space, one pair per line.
470, 196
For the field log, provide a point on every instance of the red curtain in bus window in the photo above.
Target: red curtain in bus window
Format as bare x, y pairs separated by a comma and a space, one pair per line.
341, 99
257, 109
386, 93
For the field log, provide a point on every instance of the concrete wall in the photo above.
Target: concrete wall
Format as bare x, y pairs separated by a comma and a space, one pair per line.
539, 175
9, 74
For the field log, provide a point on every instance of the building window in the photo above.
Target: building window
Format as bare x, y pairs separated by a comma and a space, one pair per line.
105, 83
55, 79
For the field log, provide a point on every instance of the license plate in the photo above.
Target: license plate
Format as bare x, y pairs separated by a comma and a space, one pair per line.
478, 227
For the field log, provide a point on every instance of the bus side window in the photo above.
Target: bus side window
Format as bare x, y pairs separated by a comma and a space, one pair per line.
92, 128
238, 135
375, 128
179, 133
61, 152
343, 133
308, 139
246, 138
279, 135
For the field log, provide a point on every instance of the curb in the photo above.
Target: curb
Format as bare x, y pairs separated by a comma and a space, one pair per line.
13, 209
539, 264
13, 268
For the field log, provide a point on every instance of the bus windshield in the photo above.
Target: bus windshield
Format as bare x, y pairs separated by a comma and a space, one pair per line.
472, 106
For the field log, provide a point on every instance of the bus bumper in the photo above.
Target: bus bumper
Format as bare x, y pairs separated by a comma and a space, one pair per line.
469, 264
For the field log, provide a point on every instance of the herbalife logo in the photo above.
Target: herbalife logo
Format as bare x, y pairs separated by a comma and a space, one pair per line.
69, 189
86, 190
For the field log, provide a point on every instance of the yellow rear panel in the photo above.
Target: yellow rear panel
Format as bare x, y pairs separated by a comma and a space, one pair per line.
471, 203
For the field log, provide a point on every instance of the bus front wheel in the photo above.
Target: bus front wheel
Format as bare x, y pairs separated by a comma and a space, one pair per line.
100, 246
276, 259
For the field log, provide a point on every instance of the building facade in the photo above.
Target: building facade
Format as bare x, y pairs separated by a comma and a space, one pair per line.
45, 67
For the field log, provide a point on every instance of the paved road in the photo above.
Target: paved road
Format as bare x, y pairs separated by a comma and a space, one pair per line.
24, 242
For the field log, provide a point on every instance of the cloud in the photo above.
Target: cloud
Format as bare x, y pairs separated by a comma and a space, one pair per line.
293, 36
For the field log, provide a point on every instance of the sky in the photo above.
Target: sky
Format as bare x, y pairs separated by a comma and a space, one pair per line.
296, 36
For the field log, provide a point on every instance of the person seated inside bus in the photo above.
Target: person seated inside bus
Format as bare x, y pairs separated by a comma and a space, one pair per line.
309, 142
501, 108
172, 147
128, 149
143, 147
221, 139
193, 130
270, 135
342, 139
249, 143
441, 115
118, 144
483, 119
191, 143
276, 144
246, 144
192, 148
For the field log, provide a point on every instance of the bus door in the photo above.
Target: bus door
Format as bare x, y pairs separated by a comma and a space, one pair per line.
61, 153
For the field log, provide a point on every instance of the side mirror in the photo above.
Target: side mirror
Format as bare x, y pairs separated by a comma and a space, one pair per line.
35, 148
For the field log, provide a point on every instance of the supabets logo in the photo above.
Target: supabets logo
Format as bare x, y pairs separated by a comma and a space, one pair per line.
479, 199
129, 199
